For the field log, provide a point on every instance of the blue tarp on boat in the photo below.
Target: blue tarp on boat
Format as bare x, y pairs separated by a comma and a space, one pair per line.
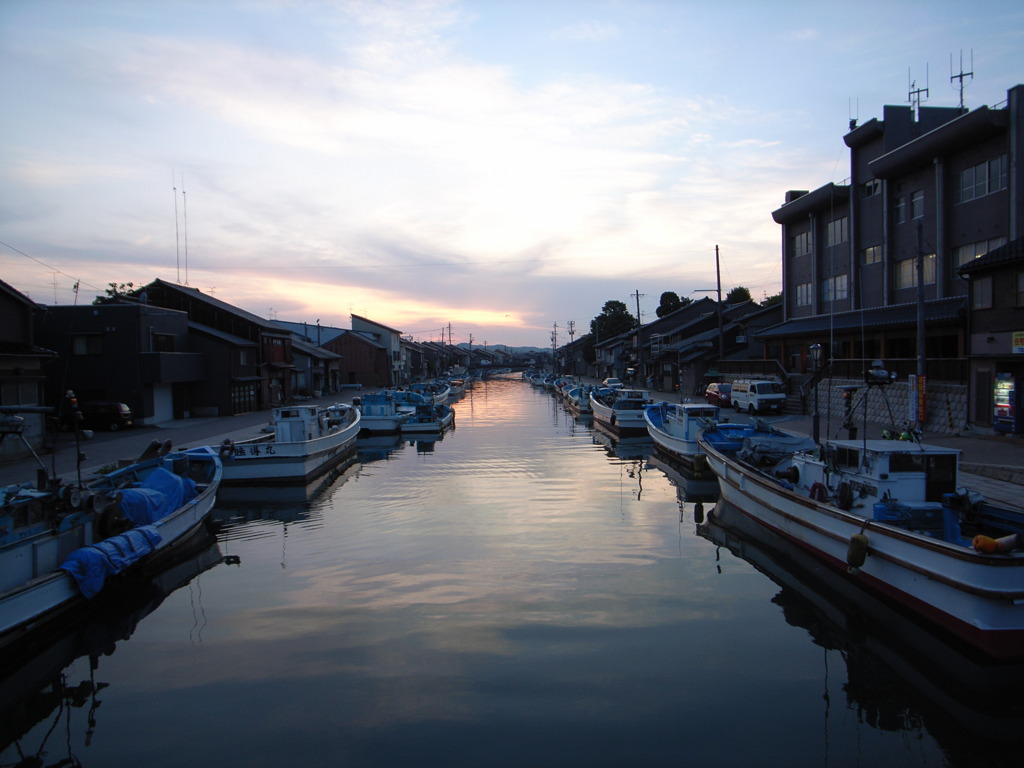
157, 496
90, 566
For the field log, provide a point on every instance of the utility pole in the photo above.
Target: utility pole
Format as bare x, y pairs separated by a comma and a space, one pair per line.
639, 347
554, 348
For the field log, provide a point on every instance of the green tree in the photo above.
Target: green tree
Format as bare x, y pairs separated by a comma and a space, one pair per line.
113, 291
737, 295
613, 320
771, 301
670, 302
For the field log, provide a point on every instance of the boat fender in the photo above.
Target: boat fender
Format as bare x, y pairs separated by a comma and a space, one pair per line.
857, 552
991, 546
227, 450
700, 462
818, 492
844, 496
612, 419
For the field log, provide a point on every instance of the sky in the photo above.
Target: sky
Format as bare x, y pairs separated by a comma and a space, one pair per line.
499, 167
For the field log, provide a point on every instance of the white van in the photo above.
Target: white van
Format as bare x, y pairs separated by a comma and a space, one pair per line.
758, 396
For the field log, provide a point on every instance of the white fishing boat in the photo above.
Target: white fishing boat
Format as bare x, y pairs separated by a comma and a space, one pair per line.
59, 544
674, 427
892, 516
305, 441
429, 419
578, 400
382, 412
621, 411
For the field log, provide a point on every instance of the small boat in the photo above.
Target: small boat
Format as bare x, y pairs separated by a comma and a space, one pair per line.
578, 400
61, 542
305, 441
620, 410
674, 428
891, 516
382, 413
429, 418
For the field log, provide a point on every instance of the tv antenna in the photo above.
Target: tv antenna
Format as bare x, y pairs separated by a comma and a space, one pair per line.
961, 75
914, 93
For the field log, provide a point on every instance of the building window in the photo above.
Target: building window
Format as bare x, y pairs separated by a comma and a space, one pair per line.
803, 295
834, 288
870, 188
1020, 289
980, 180
917, 204
801, 244
837, 231
981, 293
87, 344
243, 357
872, 255
906, 272
971, 251
899, 210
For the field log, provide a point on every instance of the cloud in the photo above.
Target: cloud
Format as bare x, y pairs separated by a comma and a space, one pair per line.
589, 31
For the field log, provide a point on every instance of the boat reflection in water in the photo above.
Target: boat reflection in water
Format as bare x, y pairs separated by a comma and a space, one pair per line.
696, 488
899, 672
36, 688
378, 447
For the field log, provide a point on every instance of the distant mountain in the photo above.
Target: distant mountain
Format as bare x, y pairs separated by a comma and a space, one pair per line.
505, 348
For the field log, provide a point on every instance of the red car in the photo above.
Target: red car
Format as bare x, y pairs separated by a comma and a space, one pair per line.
719, 393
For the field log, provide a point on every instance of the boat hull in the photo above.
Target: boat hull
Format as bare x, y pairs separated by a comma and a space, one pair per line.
977, 597
623, 423
39, 600
265, 461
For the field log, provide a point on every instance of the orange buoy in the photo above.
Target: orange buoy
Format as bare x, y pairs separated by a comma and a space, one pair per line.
991, 546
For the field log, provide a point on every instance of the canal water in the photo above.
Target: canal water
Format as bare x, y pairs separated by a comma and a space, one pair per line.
522, 592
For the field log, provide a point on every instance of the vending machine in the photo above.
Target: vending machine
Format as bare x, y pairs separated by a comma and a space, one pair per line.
1008, 416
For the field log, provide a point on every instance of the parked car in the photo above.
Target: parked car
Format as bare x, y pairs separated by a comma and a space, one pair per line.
719, 393
103, 415
758, 396
612, 383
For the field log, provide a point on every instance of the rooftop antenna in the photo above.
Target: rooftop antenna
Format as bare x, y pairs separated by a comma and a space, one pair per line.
177, 240
184, 205
961, 75
914, 94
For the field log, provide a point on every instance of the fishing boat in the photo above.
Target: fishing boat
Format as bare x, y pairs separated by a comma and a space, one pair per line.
430, 419
303, 442
892, 517
578, 400
621, 411
674, 428
61, 542
382, 413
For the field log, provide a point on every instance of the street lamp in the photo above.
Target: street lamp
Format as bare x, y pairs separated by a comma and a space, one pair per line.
815, 351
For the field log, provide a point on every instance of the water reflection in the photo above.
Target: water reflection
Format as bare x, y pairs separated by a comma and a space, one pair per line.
899, 675
42, 710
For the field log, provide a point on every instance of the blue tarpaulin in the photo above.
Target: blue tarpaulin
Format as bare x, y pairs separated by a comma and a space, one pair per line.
90, 566
157, 496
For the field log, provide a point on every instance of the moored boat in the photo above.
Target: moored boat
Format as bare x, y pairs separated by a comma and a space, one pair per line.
892, 517
305, 442
674, 428
430, 419
382, 412
620, 410
60, 544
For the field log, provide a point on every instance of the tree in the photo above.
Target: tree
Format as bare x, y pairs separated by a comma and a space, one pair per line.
113, 291
670, 302
737, 295
613, 320
771, 301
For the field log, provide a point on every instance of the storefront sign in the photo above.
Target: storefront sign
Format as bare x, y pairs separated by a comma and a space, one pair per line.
1018, 342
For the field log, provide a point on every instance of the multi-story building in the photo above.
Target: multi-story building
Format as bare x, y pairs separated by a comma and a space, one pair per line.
868, 263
